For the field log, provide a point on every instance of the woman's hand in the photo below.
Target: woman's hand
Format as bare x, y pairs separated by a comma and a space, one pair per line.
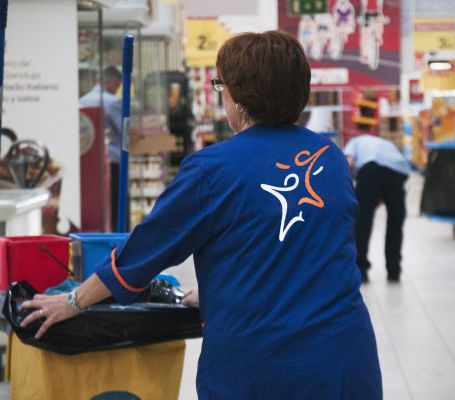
191, 298
53, 308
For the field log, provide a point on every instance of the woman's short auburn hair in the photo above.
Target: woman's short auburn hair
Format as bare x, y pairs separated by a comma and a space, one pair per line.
267, 73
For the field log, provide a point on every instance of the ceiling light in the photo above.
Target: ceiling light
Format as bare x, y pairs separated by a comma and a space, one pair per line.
440, 65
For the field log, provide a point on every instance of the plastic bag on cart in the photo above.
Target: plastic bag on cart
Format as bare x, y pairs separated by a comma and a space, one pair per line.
157, 316
438, 197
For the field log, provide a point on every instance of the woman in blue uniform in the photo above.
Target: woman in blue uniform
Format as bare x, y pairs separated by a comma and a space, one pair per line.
269, 216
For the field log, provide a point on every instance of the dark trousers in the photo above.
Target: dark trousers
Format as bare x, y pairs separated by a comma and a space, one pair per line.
375, 184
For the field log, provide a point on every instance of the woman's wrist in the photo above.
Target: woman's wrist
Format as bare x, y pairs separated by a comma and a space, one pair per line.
90, 292
72, 301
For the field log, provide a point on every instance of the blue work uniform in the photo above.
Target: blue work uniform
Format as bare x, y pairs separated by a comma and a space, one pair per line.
269, 216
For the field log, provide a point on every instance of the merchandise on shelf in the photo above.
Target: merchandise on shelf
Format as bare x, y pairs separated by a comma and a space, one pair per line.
443, 113
148, 177
210, 123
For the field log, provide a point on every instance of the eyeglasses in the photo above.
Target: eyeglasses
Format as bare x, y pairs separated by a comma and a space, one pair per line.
217, 84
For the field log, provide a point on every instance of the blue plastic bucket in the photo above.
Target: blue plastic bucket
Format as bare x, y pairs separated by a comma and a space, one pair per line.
88, 249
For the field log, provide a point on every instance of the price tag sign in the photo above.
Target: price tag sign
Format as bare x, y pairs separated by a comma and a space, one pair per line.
300, 7
434, 34
205, 37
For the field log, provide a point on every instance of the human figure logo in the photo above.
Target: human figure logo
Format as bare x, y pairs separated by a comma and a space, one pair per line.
291, 183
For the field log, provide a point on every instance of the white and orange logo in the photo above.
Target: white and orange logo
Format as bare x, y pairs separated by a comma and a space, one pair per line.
291, 182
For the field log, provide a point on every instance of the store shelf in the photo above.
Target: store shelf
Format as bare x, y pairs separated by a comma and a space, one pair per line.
440, 145
441, 218
154, 172
150, 190
148, 175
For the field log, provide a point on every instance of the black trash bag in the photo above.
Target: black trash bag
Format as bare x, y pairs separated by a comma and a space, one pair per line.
160, 291
438, 196
108, 325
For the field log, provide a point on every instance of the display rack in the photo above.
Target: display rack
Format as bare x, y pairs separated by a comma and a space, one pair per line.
148, 177
440, 145
325, 111
206, 106
100, 45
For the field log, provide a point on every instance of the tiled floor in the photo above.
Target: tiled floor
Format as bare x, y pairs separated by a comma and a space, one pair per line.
414, 320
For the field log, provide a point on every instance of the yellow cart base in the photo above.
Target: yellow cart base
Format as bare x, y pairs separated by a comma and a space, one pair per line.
151, 372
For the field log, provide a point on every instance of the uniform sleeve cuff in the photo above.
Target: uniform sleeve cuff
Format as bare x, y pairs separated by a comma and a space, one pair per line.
120, 293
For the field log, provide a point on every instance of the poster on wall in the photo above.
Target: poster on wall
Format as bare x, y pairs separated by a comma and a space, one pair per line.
41, 98
359, 40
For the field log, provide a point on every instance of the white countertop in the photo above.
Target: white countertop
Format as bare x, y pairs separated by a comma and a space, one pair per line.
18, 201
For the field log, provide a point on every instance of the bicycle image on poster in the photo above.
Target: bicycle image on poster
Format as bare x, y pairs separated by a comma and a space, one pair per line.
371, 21
327, 34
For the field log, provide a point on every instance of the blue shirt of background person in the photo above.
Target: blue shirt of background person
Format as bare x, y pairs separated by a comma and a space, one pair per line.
105, 95
367, 148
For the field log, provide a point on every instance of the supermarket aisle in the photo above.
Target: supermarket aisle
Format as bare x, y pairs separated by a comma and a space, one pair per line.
413, 320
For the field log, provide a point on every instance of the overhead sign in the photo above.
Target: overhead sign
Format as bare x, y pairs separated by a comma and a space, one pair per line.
434, 34
205, 37
300, 7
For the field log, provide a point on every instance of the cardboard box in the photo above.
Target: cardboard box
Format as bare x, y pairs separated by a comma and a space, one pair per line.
153, 143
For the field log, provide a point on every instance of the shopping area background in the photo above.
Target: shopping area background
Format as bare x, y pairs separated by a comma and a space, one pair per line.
386, 65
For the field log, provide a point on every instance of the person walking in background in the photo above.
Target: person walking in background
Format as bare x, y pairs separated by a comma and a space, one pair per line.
269, 216
105, 95
380, 172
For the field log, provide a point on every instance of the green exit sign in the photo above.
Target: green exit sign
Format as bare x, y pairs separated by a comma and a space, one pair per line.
299, 7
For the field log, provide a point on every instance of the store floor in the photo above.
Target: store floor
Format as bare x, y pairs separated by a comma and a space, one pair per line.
414, 320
